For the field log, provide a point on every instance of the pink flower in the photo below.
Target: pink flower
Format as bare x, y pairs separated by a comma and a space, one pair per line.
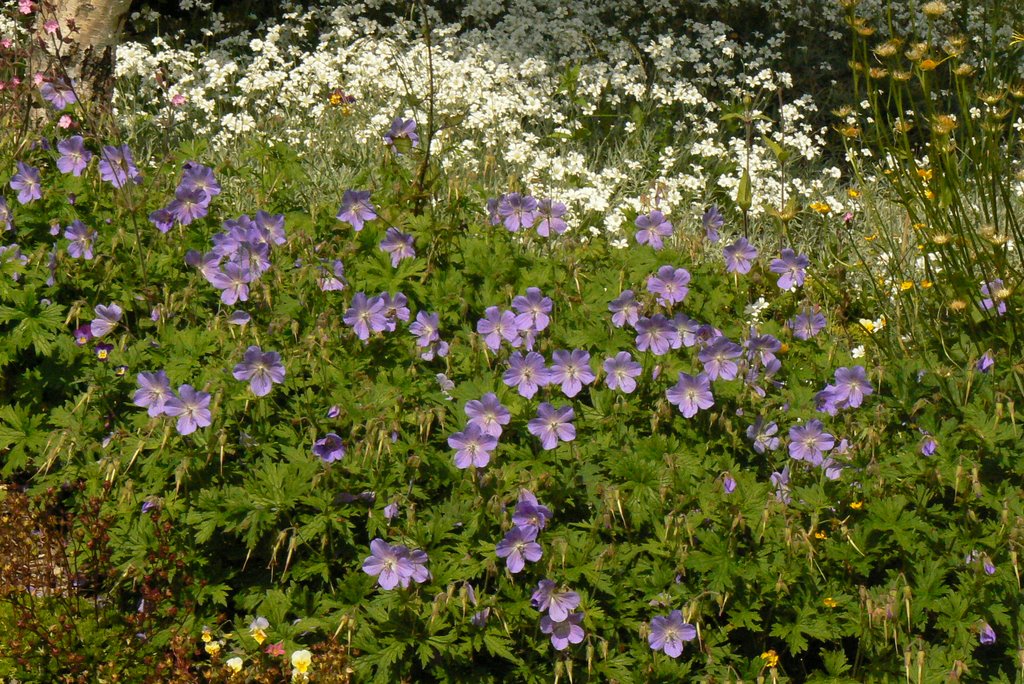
51, 26
275, 649
6, 43
26, 6
38, 78
65, 121
177, 99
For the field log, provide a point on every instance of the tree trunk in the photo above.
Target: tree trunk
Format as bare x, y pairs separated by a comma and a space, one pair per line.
84, 46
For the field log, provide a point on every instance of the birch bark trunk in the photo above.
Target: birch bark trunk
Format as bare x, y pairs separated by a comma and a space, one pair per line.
91, 30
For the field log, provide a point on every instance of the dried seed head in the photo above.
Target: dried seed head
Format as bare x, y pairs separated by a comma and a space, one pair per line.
934, 9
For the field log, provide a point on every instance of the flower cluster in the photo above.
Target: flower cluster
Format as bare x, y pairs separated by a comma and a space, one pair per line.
240, 254
518, 212
190, 406
520, 543
560, 618
192, 198
377, 314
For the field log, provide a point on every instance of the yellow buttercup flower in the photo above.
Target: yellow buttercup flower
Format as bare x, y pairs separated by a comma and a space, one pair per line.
820, 207
770, 658
856, 505
906, 285
830, 602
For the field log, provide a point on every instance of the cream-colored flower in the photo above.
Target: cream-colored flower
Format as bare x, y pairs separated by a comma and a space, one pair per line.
301, 661
234, 664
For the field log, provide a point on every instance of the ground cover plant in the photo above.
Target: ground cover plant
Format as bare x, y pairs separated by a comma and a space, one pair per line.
405, 343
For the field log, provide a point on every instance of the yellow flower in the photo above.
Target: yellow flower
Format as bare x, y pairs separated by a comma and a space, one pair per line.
207, 636
928, 64
856, 505
300, 662
821, 534
867, 324
925, 284
925, 174
853, 194
1017, 38
830, 602
869, 238
213, 647
258, 629
770, 658
928, 194
906, 285
234, 664
820, 207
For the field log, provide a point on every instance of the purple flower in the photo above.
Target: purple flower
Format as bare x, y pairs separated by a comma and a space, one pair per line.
790, 267
670, 284
233, 280
851, 387
529, 513
106, 318
239, 317
188, 205
74, 158
571, 369
781, 481
809, 442
488, 414
712, 221
994, 291
191, 408
763, 436
987, 635
81, 239
472, 446
261, 369
479, 619
653, 227
58, 93
691, 394
356, 208
929, 445
718, 357
565, 632
425, 328
533, 310
395, 309
271, 226
102, 351
399, 245
118, 167
329, 448
526, 374
154, 391
806, 325
335, 282
669, 633
550, 214
402, 128
497, 325
366, 315
658, 334
162, 219
625, 309
27, 182
390, 511
5, 216
391, 565
83, 335
517, 211
728, 483
518, 546
620, 372
557, 604
195, 176
986, 362
739, 256
552, 425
